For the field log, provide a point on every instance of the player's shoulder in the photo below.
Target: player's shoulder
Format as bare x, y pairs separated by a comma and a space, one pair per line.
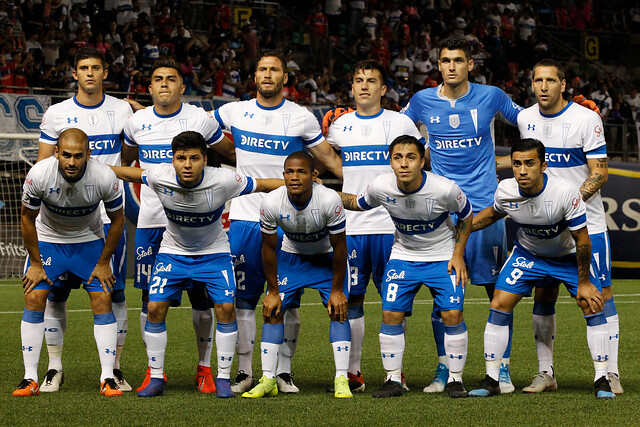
117, 103
439, 181
385, 182
61, 107
486, 90
560, 185
325, 192
579, 112
273, 199
427, 93
43, 167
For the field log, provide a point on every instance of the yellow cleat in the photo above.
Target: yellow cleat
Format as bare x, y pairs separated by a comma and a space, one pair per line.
266, 387
341, 387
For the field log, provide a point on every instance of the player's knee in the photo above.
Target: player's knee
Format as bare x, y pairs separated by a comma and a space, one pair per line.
35, 301
451, 317
100, 302
118, 296
504, 301
157, 310
607, 293
392, 317
225, 312
547, 294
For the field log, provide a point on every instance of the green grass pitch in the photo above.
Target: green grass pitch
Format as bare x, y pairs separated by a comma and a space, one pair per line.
79, 403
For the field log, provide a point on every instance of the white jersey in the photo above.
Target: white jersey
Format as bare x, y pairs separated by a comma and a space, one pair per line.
152, 133
425, 231
69, 211
194, 226
364, 145
263, 138
545, 221
570, 137
306, 230
103, 123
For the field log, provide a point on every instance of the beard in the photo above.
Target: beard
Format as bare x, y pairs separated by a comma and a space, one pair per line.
72, 179
270, 93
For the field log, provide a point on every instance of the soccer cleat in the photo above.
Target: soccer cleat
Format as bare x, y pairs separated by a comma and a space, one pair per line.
109, 388
456, 389
223, 388
285, 383
27, 387
266, 387
390, 389
439, 380
242, 383
53, 379
204, 380
147, 377
541, 382
356, 382
123, 385
603, 389
154, 388
403, 381
487, 387
614, 383
341, 387
504, 380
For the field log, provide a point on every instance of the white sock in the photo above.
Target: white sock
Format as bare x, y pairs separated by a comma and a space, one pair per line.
269, 356
598, 341
614, 333
496, 339
105, 332
226, 337
122, 322
156, 337
341, 350
392, 351
290, 343
544, 331
246, 336
143, 322
32, 333
455, 344
357, 338
203, 326
55, 324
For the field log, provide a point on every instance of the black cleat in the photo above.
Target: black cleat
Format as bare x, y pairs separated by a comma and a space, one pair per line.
456, 389
487, 387
390, 389
603, 389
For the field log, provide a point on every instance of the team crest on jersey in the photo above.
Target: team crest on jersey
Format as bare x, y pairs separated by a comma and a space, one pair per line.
365, 130
92, 119
547, 130
315, 213
301, 221
286, 119
454, 121
90, 189
548, 204
533, 208
209, 196
267, 119
410, 203
429, 204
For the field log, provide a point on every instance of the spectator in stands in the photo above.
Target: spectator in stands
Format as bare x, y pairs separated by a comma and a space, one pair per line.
150, 54
633, 98
402, 67
370, 22
333, 10
223, 12
602, 99
56, 77
251, 43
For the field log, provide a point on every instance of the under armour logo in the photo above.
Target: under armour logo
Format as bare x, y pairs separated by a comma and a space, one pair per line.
228, 292
435, 119
453, 356
248, 114
513, 205
226, 358
489, 355
346, 128
54, 190
265, 351
122, 331
72, 120
201, 339
456, 300
146, 127
603, 277
152, 358
345, 348
391, 200
167, 191
112, 352
390, 355
293, 341
531, 127
287, 217
29, 348
602, 358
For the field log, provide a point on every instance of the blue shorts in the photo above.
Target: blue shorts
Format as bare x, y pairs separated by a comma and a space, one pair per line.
147, 245
368, 256
523, 271
403, 280
174, 273
485, 253
296, 272
600, 259
119, 258
77, 259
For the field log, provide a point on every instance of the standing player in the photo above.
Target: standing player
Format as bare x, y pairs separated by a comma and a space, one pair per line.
313, 255
363, 137
194, 248
576, 151
552, 245
148, 134
427, 249
63, 233
102, 118
265, 130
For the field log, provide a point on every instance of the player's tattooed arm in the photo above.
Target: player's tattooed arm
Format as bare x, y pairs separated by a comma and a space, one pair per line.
485, 218
350, 201
598, 176
456, 263
588, 297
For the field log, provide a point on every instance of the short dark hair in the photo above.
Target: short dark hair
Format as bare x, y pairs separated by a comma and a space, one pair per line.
529, 144
86, 53
188, 140
275, 54
455, 43
407, 140
370, 64
550, 63
302, 155
167, 64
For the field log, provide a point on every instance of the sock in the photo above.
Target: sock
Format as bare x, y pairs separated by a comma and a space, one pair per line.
598, 341
105, 331
291, 333
122, 322
272, 338
614, 332
32, 332
496, 338
507, 352
246, 335
455, 342
226, 337
156, 336
438, 332
55, 324
544, 332
392, 350
356, 322
340, 337
143, 322
203, 326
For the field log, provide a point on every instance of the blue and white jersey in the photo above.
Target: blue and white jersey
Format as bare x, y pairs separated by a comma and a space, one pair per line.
364, 145
152, 133
571, 137
263, 138
69, 211
103, 123
307, 229
425, 231
194, 226
461, 141
545, 221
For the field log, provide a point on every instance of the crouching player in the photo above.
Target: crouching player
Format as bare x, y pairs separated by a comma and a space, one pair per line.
427, 249
313, 255
194, 248
552, 246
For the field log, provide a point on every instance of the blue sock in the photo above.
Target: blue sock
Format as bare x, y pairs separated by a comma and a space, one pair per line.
438, 331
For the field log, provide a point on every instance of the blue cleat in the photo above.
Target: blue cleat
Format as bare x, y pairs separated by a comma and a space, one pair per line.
223, 388
155, 388
506, 386
439, 380
603, 389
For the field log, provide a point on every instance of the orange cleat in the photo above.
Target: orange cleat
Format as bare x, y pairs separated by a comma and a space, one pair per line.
27, 387
109, 388
204, 380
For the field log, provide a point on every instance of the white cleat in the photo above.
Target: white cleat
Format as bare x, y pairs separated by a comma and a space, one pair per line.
118, 376
614, 382
285, 383
504, 380
242, 383
541, 382
53, 379
439, 380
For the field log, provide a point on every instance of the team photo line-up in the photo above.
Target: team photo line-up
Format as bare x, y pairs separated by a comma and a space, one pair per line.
394, 222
